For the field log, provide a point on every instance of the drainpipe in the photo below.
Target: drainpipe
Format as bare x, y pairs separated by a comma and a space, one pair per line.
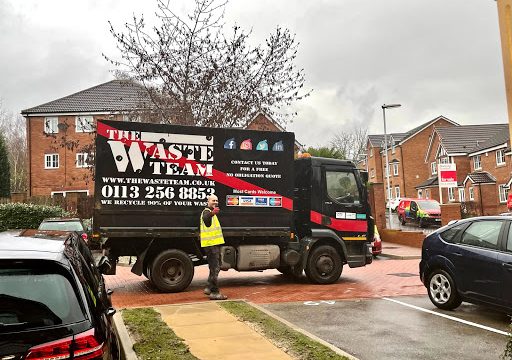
29, 156
480, 195
403, 172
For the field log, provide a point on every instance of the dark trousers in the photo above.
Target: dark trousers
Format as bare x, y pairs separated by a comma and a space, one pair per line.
213, 257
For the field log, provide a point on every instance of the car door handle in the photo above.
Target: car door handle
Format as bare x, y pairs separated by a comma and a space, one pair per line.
507, 266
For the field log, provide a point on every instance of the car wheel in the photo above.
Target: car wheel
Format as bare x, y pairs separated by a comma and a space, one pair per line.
324, 265
421, 223
442, 290
171, 271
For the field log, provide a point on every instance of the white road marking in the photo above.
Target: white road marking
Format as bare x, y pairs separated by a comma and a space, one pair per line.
450, 317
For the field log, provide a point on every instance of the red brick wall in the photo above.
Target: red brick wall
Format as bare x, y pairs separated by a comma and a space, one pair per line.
261, 122
409, 238
374, 162
450, 212
67, 177
377, 203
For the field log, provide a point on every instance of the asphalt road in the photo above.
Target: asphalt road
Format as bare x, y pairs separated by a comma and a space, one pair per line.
388, 328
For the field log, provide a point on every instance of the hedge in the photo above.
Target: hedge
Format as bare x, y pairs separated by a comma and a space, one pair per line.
26, 216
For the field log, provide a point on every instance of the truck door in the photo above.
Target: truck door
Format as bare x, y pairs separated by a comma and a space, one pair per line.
342, 200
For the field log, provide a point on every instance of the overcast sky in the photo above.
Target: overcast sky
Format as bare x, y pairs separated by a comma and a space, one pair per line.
435, 57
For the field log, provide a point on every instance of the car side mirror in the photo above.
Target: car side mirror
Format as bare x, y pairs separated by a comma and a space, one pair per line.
104, 265
110, 311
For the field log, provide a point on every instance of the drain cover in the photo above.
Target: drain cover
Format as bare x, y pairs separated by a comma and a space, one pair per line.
403, 274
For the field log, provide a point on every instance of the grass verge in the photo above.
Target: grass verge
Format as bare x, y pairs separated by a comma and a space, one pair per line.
297, 345
153, 338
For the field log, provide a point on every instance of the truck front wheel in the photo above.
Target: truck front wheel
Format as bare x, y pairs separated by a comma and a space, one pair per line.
324, 265
171, 271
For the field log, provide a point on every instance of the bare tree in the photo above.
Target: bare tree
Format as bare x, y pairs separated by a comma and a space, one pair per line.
351, 142
197, 74
14, 131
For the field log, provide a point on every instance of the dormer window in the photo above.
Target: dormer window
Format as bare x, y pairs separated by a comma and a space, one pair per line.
477, 165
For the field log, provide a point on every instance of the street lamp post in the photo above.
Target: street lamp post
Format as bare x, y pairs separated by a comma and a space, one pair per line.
384, 107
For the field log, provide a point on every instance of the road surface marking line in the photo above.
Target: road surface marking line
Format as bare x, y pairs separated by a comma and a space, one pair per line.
450, 317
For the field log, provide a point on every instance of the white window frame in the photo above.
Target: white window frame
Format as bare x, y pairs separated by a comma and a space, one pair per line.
427, 194
420, 194
81, 160
462, 195
395, 169
371, 152
471, 193
389, 193
444, 160
397, 192
502, 193
51, 125
84, 124
433, 168
50, 160
477, 162
451, 194
500, 157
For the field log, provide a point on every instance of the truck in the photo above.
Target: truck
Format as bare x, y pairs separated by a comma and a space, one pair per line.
296, 215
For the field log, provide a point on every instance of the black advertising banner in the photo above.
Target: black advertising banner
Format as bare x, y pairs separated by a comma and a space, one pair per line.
169, 168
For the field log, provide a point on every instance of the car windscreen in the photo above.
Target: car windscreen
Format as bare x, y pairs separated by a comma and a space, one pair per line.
36, 294
429, 205
62, 225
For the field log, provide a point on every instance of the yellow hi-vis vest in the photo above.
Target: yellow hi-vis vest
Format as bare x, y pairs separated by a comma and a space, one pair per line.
212, 235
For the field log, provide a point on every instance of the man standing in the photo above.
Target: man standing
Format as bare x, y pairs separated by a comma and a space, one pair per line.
211, 240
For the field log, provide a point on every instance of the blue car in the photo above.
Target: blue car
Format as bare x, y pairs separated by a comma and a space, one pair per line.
469, 260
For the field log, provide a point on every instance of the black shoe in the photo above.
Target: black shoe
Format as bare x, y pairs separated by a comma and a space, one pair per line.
207, 291
218, 296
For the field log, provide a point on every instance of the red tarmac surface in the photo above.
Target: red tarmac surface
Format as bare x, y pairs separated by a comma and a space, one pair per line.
379, 279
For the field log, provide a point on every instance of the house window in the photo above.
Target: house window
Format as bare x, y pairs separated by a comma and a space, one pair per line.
503, 190
476, 162
395, 169
471, 194
500, 157
50, 125
372, 173
397, 192
451, 194
371, 152
81, 160
433, 168
420, 194
444, 160
389, 193
427, 194
393, 148
462, 194
51, 161
84, 124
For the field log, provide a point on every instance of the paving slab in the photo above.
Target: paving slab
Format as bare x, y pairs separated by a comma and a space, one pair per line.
213, 333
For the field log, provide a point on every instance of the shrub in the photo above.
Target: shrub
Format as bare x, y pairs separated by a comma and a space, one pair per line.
26, 216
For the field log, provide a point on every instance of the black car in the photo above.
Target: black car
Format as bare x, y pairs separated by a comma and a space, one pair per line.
53, 302
469, 260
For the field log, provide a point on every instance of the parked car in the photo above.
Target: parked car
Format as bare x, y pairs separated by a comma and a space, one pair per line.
53, 301
65, 224
469, 260
422, 211
376, 243
394, 203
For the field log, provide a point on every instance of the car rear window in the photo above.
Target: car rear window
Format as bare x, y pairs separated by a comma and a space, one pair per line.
34, 296
451, 235
61, 225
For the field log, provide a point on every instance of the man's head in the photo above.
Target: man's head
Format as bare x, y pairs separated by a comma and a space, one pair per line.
213, 201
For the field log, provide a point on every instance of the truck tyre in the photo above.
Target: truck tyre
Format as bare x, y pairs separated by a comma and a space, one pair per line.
171, 271
324, 265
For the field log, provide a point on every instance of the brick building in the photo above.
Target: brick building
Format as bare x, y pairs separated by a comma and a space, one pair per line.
60, 135
405, 153
483, 169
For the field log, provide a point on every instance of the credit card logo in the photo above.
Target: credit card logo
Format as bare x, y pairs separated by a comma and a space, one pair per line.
275, 201
231, 200
261, 201
246, 201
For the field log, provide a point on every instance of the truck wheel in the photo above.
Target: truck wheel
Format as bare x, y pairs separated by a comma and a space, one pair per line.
324, 265
171, 271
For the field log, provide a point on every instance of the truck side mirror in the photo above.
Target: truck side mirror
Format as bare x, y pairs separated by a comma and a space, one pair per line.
364, 176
